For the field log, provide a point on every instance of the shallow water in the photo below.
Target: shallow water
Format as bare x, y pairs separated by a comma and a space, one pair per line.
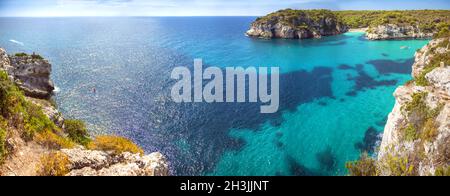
335, 93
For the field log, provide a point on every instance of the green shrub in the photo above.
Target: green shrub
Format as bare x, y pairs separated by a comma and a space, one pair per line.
429, 131
398, 166
22, 54
444, 30
3, 150
442, 171
22, 113
36, 121
114, 144
365, 166
36, 56
417, 104
420, 79
410, 133
76, 129
52, 140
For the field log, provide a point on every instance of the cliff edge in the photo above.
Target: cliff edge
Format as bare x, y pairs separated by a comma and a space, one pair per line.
417, 134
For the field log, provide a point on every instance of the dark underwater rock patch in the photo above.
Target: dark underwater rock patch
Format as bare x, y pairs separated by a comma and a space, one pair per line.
371, 137
363, 81
385, 66
326, 159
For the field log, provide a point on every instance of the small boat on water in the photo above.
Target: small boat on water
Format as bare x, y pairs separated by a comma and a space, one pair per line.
404, 47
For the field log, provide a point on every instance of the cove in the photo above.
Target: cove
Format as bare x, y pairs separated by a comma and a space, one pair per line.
335, 92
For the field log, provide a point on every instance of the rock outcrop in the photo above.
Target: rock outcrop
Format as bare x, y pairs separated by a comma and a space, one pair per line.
297, 24
418, 128
394, 31
32, 74
5, 64
100, 163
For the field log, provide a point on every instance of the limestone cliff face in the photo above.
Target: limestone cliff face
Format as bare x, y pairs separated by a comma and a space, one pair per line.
5, 64
296, 24
394, 31
418, 128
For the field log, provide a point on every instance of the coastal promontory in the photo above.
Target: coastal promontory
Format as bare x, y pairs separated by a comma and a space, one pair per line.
297, 24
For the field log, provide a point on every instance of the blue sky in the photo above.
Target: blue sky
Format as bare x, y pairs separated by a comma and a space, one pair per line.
197, 7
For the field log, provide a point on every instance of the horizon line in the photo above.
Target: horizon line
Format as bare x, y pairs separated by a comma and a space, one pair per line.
69, 16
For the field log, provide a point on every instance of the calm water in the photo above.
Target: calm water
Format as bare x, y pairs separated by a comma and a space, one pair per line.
335, 92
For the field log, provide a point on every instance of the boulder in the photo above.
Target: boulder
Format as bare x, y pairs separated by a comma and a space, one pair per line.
99, 163
32, 75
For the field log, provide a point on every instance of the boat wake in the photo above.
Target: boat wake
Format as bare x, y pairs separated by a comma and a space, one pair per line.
16, 42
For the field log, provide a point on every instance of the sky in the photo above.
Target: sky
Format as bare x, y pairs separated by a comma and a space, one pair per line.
52, 8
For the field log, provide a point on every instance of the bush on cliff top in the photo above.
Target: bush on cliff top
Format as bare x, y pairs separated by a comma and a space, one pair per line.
365, 166
26, 116
33, 56
444, 30
398, 166
22, 54
114, 144
3, 150
424, 125
442, 171
52, 140
290, 16
53, 164
77, 131
427, 20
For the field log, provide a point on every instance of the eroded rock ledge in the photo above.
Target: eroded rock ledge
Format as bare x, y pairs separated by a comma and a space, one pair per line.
99, 163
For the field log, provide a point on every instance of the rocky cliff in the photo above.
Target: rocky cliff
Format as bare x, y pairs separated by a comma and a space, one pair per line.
416, 139
395, 31
34, 144
297, 24
30, 72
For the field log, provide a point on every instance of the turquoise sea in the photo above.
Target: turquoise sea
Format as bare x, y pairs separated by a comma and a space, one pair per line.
335, 92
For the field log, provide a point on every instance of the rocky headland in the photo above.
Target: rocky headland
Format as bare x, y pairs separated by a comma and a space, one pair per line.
297, 24
377, 25
35, 139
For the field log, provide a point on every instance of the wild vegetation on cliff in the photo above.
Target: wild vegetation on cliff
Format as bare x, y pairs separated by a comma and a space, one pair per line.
17, 113
290, 16
416, 139
426, 20
57, 146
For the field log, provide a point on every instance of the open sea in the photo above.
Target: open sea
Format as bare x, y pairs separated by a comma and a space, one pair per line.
335, 92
